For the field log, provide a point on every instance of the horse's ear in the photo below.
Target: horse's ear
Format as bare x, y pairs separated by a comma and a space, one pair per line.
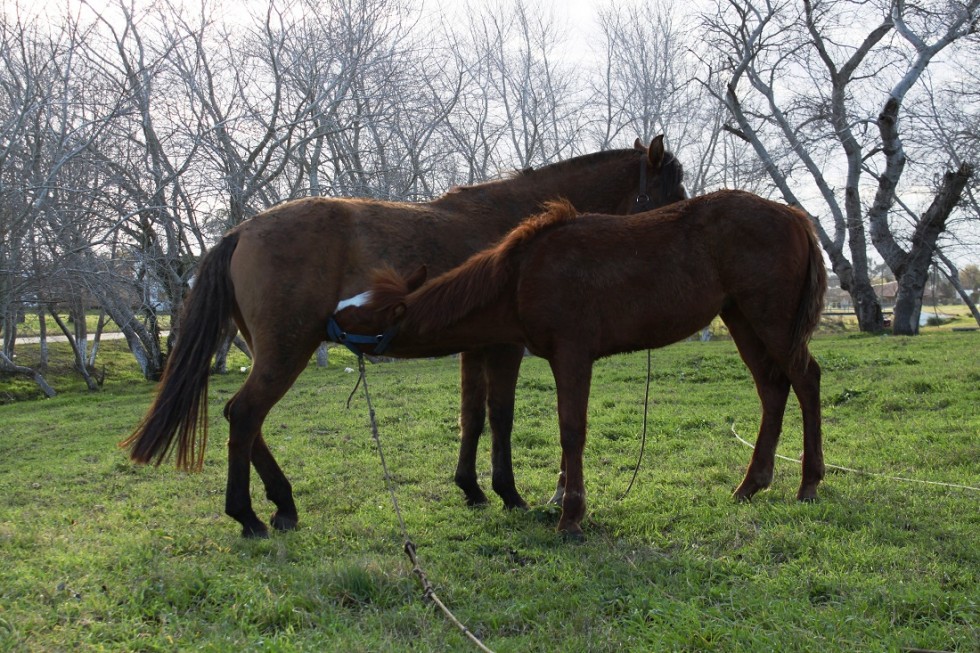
639, 146
656, 152
417, 278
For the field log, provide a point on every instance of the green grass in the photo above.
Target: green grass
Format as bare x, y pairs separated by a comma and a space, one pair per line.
98, 554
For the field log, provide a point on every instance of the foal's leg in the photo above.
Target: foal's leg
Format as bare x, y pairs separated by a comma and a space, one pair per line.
573, 377
806, 385
559, 494
472, 417
773, 388
503, 362
245, 412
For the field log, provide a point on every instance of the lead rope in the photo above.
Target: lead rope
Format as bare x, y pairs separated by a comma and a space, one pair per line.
429, 593
862, 472
643, 439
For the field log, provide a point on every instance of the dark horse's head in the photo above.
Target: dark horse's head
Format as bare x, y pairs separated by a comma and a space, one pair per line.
661, 177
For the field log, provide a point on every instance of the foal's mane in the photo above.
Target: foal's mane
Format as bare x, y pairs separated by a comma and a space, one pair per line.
452, 296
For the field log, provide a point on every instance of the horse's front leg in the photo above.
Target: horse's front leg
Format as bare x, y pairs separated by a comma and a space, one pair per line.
472, 417
503, 363
573, 377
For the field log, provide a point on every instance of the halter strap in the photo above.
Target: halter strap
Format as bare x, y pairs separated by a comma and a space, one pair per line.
381, 342
642, 202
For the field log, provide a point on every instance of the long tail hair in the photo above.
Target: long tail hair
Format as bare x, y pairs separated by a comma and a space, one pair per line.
181, 407
809, 309
480, 280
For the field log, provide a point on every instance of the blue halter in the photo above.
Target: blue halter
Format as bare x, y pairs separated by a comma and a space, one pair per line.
349, 340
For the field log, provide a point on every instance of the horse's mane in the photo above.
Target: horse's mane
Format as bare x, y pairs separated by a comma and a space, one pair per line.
558, 166
452, 296
574, 162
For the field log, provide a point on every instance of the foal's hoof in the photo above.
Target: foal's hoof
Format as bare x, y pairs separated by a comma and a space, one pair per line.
747, 489
283, 523
741, 497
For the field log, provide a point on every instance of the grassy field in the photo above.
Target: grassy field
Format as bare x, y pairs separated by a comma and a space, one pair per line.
98, 554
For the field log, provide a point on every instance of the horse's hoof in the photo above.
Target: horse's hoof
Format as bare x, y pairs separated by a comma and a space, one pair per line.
476, 498
515, 502
283, 523
253, 533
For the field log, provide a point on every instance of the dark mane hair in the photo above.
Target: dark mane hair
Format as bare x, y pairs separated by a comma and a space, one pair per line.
585, 159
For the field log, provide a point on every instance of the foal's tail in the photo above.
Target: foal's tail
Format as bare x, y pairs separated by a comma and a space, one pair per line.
809, 309
181, 407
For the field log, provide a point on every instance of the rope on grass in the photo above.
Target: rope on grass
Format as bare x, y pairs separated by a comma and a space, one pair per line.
643, 440
429, 593
864, 473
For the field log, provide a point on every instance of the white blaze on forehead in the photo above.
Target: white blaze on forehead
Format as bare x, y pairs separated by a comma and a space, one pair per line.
357, 300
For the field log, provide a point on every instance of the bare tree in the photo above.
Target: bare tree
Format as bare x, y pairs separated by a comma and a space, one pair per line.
532, 95
834, 72
649, 55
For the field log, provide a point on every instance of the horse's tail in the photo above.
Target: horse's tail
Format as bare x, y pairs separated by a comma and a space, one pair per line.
181, 407
810, 307
483, 277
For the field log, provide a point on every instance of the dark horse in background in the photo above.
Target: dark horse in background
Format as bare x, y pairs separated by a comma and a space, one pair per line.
281, 275
575, 289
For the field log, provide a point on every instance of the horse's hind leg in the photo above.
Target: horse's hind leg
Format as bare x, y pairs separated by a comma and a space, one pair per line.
772, 386
806, 385
277, 487
245, 412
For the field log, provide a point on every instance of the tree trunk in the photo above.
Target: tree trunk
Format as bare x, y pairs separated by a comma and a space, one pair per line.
7, 365
42, 326
908, 302
73, 340
221, 356
867, 308
953, 275
912, 268
322, 355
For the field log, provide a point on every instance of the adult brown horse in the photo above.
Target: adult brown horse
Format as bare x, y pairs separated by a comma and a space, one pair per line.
574, 289
281, 274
